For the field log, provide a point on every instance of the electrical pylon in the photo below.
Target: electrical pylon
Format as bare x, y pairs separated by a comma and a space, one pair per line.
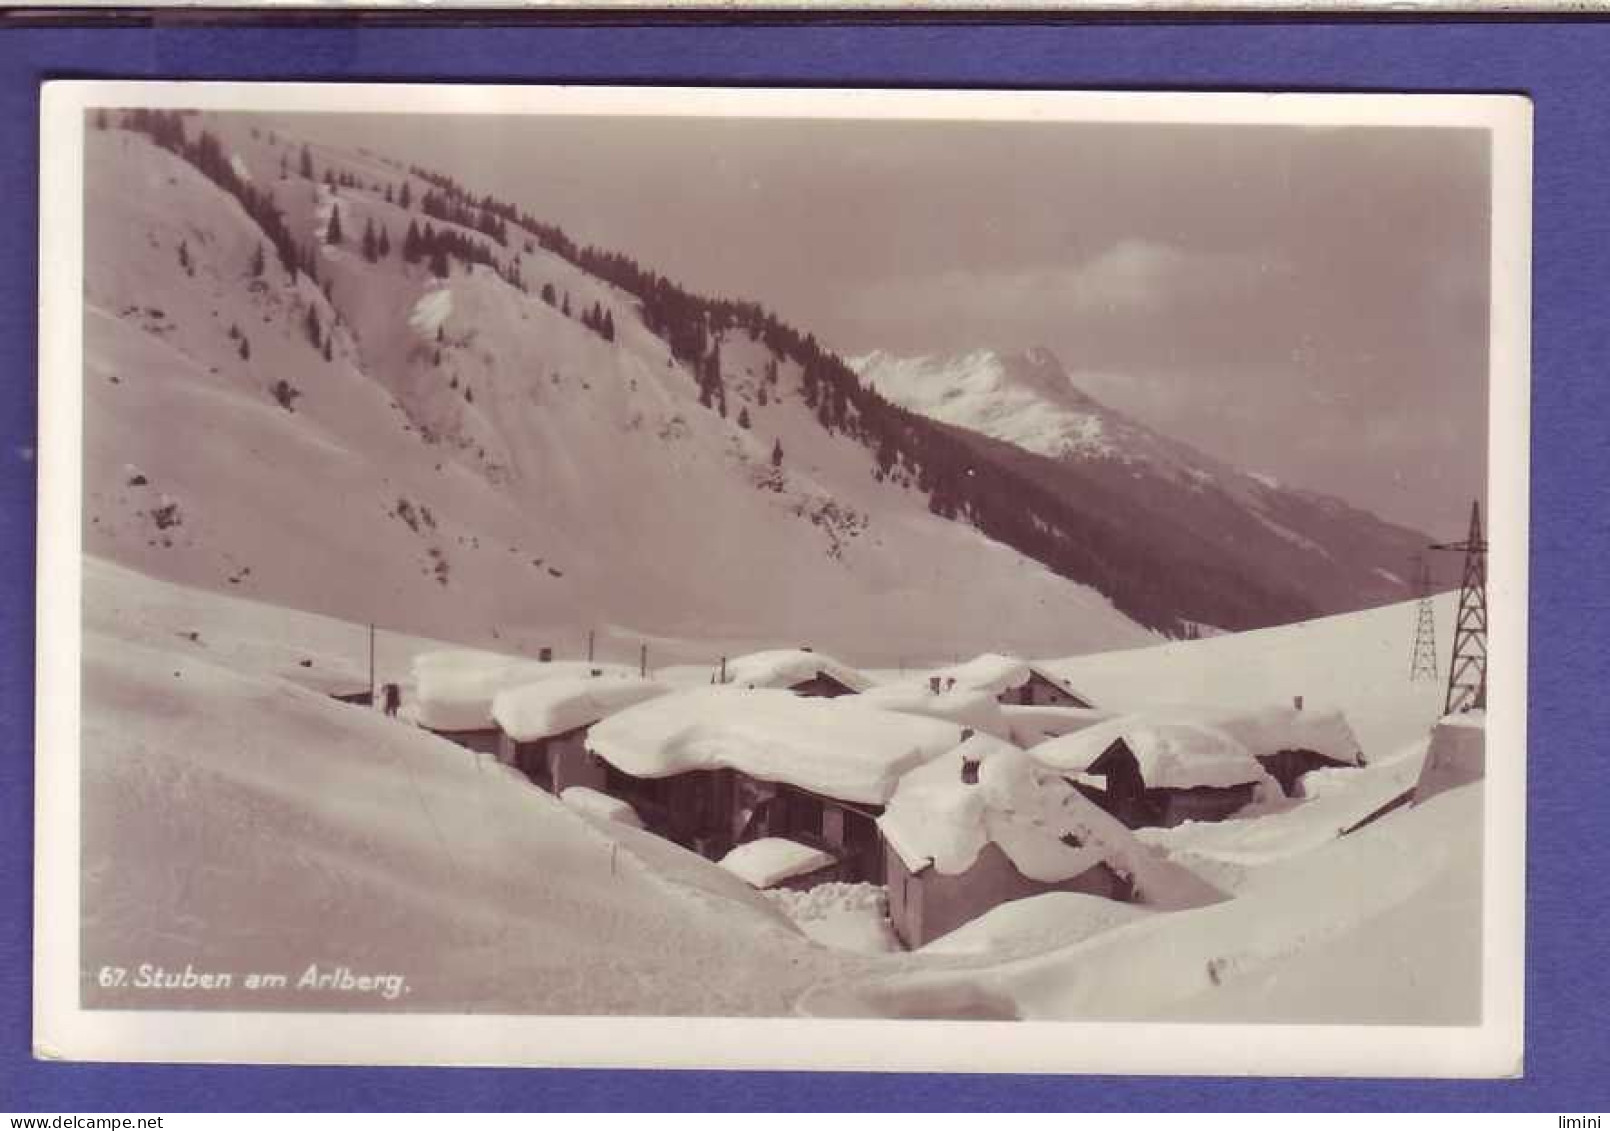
1467, 670
1423, 660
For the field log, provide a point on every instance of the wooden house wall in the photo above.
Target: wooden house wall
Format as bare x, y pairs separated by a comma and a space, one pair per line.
1288, 766
1176, 806
765, 809
569, 764
928, 904
693, 809
1041, 692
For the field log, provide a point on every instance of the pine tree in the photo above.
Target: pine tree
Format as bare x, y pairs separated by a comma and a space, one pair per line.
369, 251
547, 293
438, 262
609, 326
383, 248
388, 195
332, 233
310, 324
777, 453
245, 348
412, 247
329, 347
259, 262
184, 257
284, 167
743, 417
307, 162
565, 309
405, 197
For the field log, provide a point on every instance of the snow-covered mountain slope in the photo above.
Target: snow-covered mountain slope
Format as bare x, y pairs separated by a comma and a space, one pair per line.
1334, 556
472, 463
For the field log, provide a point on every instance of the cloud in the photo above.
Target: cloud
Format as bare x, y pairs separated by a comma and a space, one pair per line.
1120, 293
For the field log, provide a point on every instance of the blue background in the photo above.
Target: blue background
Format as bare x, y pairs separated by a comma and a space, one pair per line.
1563, 66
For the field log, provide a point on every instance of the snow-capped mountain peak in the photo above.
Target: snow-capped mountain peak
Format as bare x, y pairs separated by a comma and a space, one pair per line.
1023, 397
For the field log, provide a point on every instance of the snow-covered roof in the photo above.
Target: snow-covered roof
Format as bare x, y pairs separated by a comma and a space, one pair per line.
1049, 830
602, 805
1031, 725
453, 690
965, 706
1274, 729
771, 860
990, 672
1172, 752
787, 667
834, 747
999, 674
548, 707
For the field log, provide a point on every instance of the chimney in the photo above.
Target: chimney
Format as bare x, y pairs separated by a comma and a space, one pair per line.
545, 656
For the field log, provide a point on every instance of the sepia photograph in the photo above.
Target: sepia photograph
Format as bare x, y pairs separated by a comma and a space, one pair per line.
761, 578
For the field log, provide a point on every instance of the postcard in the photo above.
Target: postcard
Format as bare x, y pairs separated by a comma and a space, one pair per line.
833, 579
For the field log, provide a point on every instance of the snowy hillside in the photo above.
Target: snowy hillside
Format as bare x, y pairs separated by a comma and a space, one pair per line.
1357, 663
1292, 545
458, 457
236, 815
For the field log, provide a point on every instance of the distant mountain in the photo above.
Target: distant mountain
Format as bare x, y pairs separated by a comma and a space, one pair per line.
1159, 496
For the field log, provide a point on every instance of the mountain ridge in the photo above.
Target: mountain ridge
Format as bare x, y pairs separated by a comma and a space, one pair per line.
521, 394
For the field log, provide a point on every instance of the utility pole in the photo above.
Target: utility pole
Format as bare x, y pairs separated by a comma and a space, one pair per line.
1423, 658
642, 661
1467, 671
589, 645
371, 664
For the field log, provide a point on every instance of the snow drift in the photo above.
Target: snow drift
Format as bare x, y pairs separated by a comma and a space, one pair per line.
241, 823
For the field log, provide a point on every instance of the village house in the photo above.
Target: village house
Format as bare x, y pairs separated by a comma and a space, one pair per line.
799, 670
1012, 681
983, 825
454, 690
1290, 742
1157, 771
542, 726
716, 768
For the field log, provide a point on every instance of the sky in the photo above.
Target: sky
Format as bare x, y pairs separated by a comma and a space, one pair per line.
1306, 303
